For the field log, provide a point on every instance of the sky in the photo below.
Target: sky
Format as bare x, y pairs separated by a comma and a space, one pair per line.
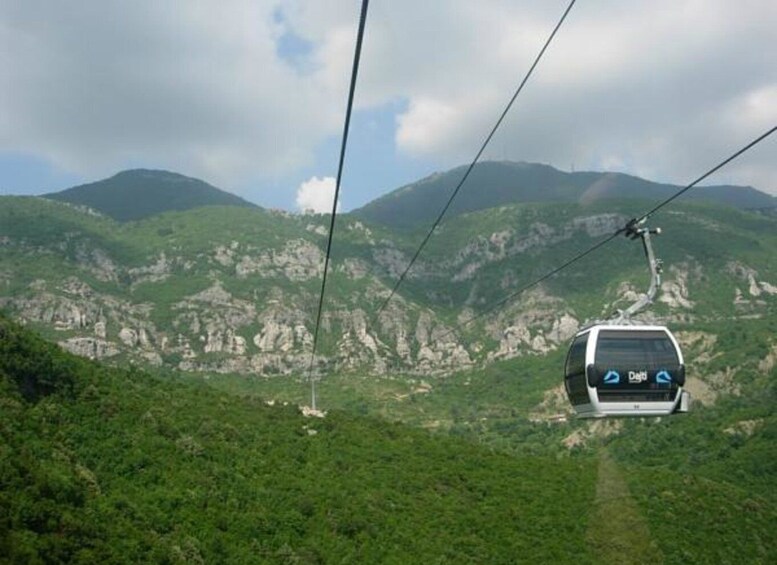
250, 95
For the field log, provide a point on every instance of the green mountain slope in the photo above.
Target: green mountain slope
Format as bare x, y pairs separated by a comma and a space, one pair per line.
97, 466
494, 184
234, 290
103, 465
140, 193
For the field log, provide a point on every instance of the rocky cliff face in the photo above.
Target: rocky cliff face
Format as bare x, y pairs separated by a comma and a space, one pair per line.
218, 300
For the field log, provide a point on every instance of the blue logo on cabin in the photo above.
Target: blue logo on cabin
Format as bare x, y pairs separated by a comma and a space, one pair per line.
612, 378
663, 378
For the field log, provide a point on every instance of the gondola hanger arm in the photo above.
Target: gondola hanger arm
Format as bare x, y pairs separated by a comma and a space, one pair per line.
633, 230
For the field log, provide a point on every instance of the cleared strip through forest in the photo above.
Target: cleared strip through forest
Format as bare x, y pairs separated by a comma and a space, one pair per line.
617, 531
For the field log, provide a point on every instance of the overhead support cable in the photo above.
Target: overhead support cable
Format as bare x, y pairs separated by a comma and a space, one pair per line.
491, 307
474, 161
349, 108
623, 230
719, 166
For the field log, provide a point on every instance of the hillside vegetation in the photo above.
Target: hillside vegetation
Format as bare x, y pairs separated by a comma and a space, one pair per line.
104, 465
234, 290
518, 406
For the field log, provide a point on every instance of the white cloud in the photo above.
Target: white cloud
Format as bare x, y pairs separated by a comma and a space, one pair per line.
315, 195
420, 129
661, 87
196, 86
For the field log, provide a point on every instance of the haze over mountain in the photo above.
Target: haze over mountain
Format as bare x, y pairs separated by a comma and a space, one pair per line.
496, 183
140, 193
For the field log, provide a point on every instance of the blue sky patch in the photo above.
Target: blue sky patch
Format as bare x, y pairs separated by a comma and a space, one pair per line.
29, 174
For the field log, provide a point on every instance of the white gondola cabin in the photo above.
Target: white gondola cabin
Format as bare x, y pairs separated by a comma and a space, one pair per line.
619, 370
623, 368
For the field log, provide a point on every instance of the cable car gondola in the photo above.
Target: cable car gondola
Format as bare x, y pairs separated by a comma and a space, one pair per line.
623, 368
617, 370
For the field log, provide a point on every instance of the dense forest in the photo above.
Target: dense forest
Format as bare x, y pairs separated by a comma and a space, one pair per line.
106, 465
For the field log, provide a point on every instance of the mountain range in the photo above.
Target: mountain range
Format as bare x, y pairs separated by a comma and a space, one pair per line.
140, 193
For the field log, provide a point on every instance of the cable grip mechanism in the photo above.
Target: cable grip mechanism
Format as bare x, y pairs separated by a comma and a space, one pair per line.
636, 229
